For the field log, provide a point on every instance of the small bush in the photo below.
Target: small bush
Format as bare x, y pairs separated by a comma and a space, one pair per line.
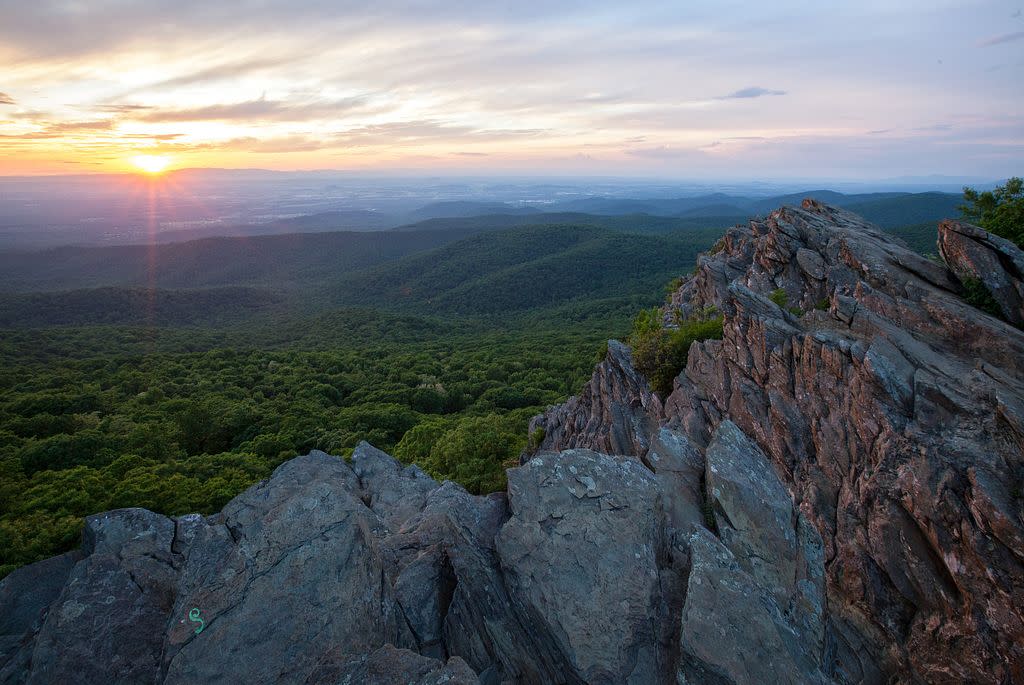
660, 354
779, 297
822, 304
536, 438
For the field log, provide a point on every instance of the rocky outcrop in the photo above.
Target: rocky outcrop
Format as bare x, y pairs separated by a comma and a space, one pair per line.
615, 413
893, 412
335, 572
755, 600
994, 262
830, 494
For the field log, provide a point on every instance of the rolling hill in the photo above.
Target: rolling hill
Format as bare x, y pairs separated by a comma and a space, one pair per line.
289, 260
526, 268
135, 306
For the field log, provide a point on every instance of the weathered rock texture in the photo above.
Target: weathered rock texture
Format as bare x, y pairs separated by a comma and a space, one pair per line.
616, 413
893, 413
995, 262
828, 496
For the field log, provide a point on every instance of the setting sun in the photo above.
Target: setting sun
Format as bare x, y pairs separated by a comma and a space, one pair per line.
151, 164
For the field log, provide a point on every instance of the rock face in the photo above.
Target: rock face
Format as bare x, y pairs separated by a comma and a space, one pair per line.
995, 262
615, 413
581, 574
829, 495
892, 411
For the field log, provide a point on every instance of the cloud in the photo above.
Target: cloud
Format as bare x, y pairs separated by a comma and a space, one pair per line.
661, 152
284, 144
60, 129
120, 109
6, 99
256, 110
150, 136
426, 131
751, 92
219, 72
78, 126
1004, 38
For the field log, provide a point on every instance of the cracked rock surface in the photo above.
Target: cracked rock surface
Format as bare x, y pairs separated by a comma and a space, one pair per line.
893, 413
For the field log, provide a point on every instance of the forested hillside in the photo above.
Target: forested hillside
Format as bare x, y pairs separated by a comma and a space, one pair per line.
173, 376
528, 268
176, 400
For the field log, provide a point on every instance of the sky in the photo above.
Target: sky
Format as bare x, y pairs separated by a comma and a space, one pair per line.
854, 90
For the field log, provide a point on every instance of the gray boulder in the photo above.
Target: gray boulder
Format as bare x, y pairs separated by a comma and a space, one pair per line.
107, 624
582, 555
974, 253
293, 571
393, 492
733, 630
26, 596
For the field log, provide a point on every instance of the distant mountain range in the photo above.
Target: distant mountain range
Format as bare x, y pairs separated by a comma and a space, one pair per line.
188, 206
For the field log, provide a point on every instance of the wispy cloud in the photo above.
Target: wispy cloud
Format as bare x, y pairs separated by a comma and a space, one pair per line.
119, 109
661, 152
78, 126
219, 72
255, 110
343, 83
1004, 38
751, 92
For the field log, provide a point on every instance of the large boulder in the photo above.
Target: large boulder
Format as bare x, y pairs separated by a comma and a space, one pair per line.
974, 254
294, 570
582, 555
106, 626
25, 598
734, 631
755, 600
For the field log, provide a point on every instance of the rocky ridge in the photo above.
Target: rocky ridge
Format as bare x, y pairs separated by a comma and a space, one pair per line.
830, 494
892, 411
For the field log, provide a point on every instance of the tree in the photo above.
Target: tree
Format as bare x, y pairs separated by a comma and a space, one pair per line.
999, 211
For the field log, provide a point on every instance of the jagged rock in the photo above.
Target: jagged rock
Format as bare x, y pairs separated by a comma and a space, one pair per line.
394, 493
770, 540
295, 569
26, 596
390, 666
678, 467
733, 630
613, 413
883, 416
107, 624
752, 510
582, 554
974, 253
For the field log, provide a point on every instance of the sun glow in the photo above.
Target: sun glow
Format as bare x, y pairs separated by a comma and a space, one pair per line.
151, 164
